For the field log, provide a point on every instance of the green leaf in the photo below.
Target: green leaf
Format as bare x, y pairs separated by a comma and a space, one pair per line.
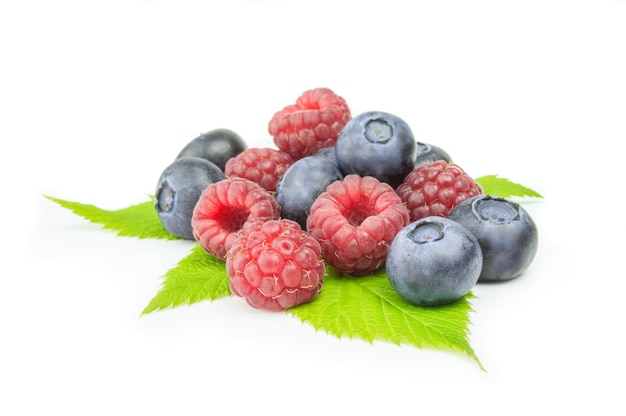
197, 277
368, 308
364, 307
494, 185
140, 220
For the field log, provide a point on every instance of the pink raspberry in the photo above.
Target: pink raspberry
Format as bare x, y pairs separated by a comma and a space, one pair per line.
262, 165
225, 208
275, 265
313, 122
435, 188
354, 221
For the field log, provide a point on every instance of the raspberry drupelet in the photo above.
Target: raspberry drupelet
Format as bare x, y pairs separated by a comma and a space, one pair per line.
312, 123
435, 188
226, 207
262, 165
275, 265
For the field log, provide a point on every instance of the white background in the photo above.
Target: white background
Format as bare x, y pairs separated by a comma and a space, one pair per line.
96, 98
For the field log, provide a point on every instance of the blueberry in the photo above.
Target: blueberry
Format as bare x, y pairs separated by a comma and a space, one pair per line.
433, 261
506, 233
427, 153
377, 144
217, 146
329, 153
178, 190
302, 183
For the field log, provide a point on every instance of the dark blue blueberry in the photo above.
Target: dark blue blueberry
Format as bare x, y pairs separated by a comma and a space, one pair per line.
506, 233
216, 146
377, 144
328, 153
433, 261
302, 183
427, 153
178, 190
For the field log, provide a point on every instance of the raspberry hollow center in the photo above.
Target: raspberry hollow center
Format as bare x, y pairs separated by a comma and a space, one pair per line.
234, 219
357, 214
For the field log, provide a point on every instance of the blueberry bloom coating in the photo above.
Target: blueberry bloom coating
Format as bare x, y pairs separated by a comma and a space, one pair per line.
433, 261
217, 146
427, 153
507, 235
328, 153
178, 190
302, 183
377, 144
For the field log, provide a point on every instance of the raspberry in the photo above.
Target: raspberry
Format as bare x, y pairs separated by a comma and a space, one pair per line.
354, 221
226, 207
259, 164
312, 123
435, 188
275, 265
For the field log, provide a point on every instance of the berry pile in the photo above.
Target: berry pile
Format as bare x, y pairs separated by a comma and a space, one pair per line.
355, 193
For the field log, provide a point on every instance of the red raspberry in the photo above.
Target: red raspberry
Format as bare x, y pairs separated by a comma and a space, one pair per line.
226, 207
435, 188
259, 164
354, 221
313, 122
275, 265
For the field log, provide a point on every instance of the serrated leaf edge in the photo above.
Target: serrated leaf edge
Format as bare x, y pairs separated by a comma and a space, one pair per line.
190, 299
463, 347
